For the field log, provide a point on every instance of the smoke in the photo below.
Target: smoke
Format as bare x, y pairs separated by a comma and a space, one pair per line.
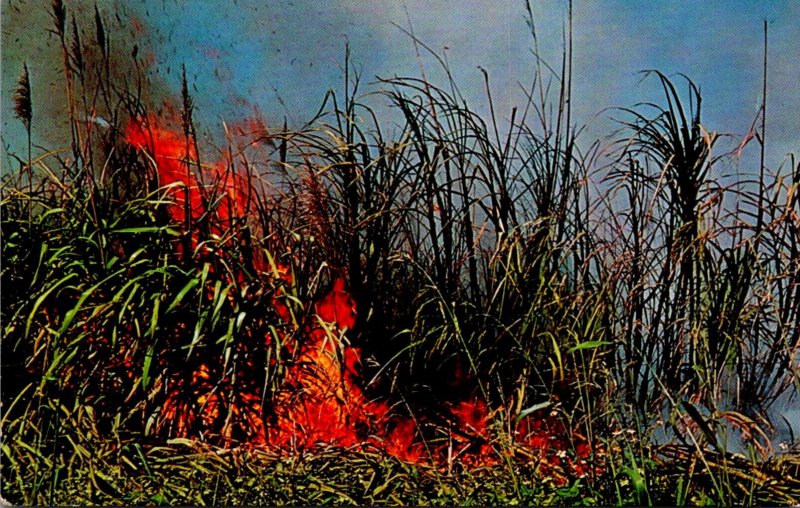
29, 38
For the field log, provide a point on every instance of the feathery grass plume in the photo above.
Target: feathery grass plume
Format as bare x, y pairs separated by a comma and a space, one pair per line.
187, 104
76, 49
59, 17
102, 38
23, 108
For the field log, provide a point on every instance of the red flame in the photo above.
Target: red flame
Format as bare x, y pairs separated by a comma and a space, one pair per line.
227, 194
321, 400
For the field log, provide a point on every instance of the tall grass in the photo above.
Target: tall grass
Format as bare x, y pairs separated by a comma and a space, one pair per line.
490, 258
696, 276
484, 231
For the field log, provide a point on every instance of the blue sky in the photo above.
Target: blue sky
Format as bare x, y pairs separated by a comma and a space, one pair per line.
281, 56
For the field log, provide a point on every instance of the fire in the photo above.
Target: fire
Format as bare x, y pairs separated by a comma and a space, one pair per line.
472, 418
320, 400
323, 402
226, 195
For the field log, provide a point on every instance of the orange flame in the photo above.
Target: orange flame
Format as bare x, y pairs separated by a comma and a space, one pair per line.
321, 400
226, 196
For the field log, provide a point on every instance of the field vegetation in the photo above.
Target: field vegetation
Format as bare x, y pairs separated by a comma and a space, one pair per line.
409, 305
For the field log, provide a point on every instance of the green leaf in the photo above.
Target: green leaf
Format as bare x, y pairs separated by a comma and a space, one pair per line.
154, 318
589, 344
148, 229
70, 315
639, 484
148, 360
42, 253
42, 298
179, 297
536, 407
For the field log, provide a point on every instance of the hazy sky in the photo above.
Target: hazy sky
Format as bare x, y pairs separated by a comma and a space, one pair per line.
281, 56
